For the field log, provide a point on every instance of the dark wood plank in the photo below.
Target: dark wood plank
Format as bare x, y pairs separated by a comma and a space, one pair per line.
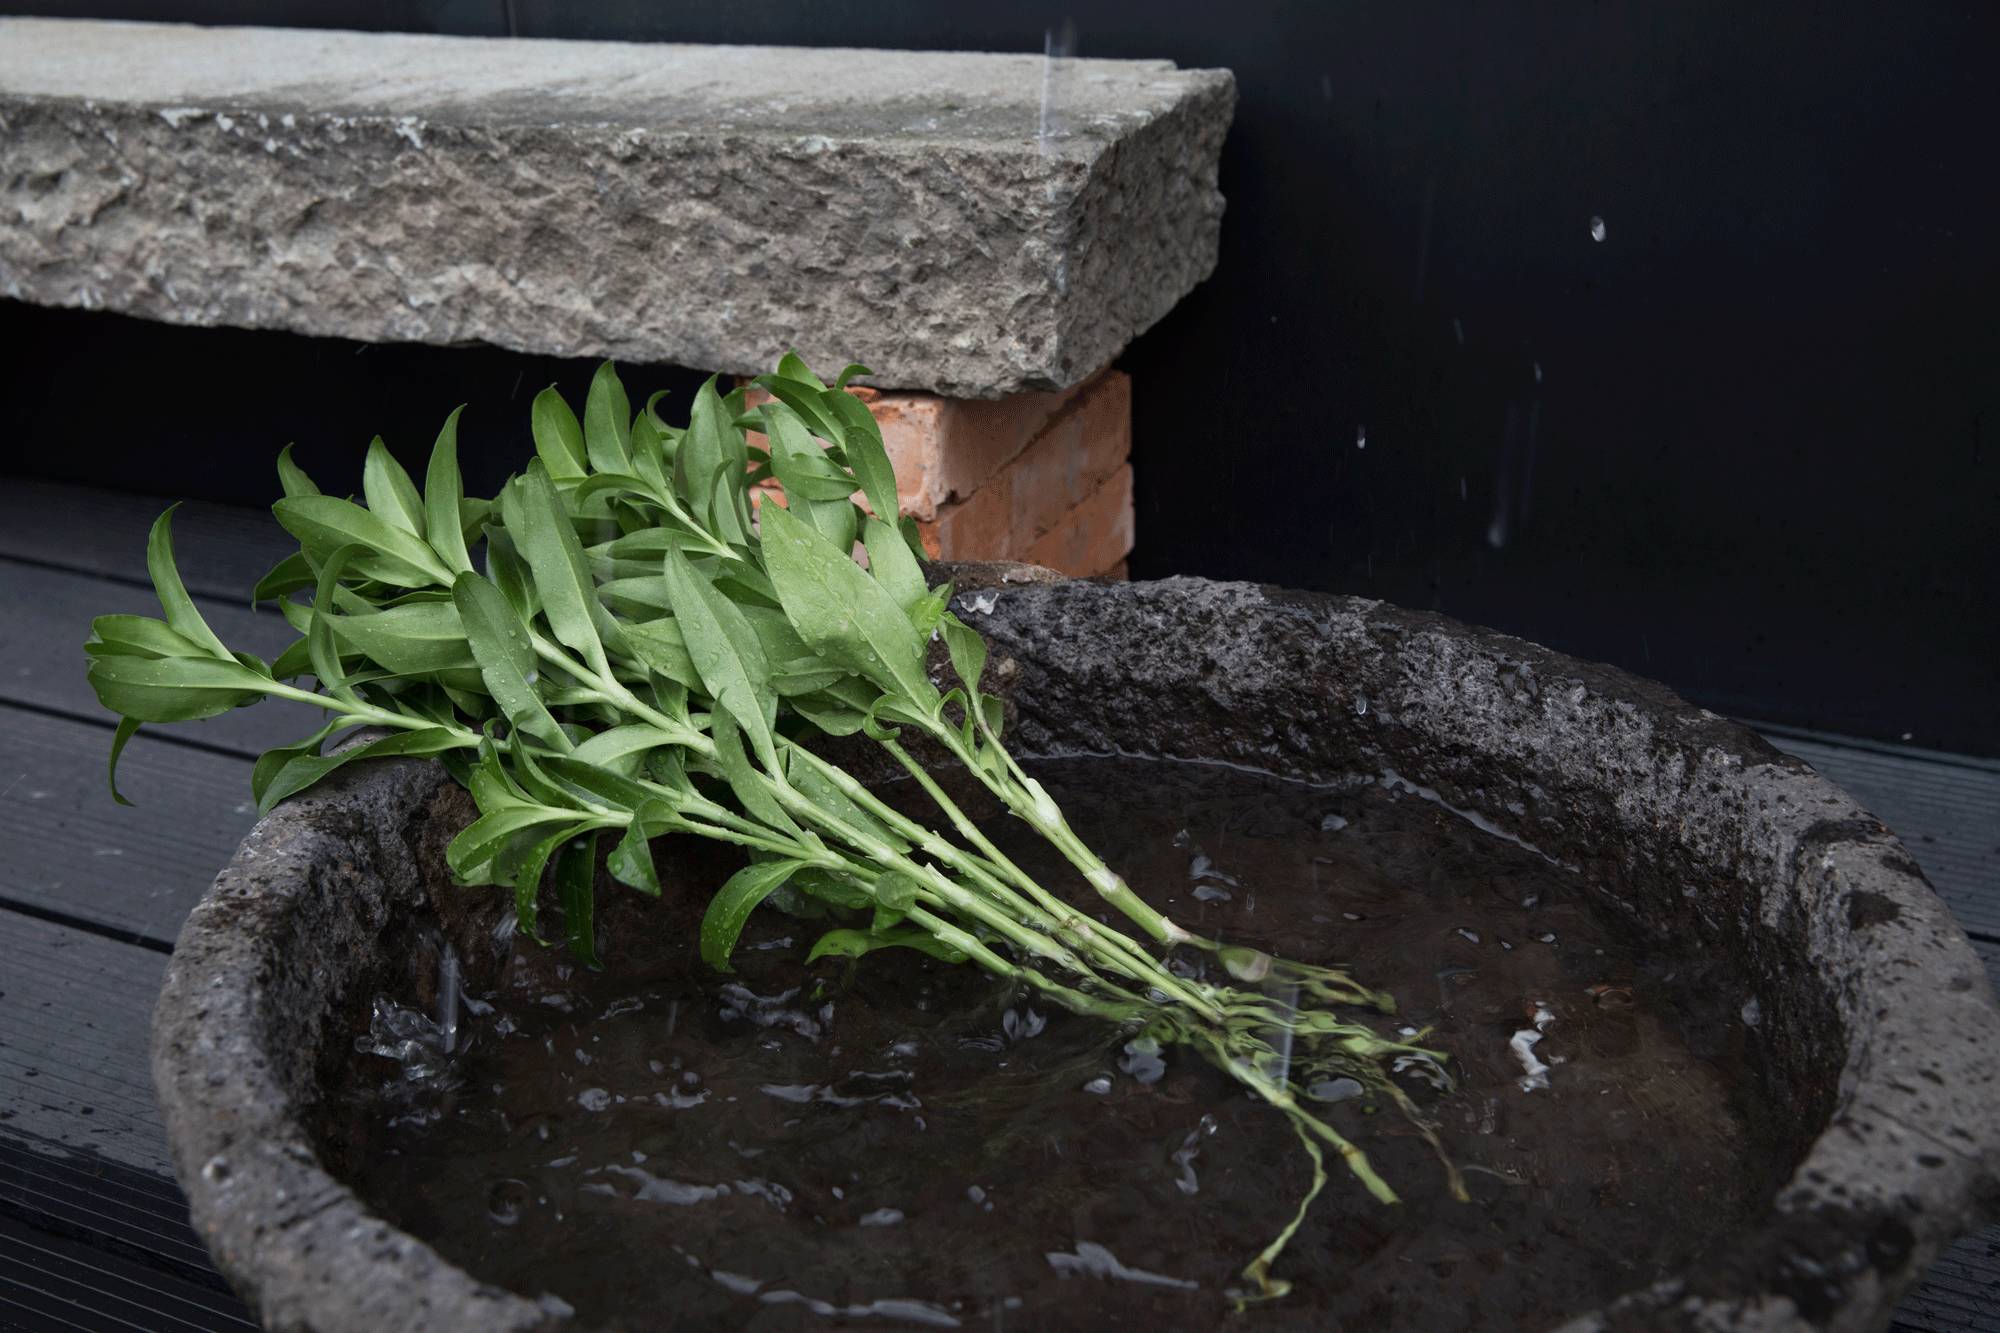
75, 1013
48, 613
1945, 808
222, 550
1961, 1292
54, 1281
75, 854
122, 1209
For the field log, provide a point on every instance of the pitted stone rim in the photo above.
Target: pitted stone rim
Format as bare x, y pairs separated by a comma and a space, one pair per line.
309, 1254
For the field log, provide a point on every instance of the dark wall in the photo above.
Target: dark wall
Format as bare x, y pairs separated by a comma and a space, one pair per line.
1743, 443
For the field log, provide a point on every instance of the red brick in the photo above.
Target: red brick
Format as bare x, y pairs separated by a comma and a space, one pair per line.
946, 449
1094, 536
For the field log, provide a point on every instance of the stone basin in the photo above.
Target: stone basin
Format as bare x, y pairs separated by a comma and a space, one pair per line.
1878, 1035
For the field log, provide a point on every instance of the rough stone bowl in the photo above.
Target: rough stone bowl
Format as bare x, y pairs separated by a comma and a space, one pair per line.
1880, 1038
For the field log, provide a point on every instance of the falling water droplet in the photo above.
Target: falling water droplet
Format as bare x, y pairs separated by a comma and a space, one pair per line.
1597, 229
1538, 365
1361, 437
448, 984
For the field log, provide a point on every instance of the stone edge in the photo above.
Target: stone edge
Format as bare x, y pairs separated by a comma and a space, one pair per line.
233, 1138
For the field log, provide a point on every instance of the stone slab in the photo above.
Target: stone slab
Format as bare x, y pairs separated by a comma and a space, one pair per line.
975, 225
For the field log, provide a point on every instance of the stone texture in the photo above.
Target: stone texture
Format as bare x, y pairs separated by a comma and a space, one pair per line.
1878, 1049
976, 225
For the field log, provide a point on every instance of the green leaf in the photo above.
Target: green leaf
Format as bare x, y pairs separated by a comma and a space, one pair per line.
509, 573
527, 875
631, 861
321, 649
853, 369
576, 879
724, 650
855, 943
173, 689
890, 561
558, 437
302, 771
722, 925
324, 524
271, 761
444, 499
128, 727
838, 889
652, 449
295, 661
813, 402
479, 842
618, 749
589, 785
291, 477
866, 453
562, 575
506, 658
659, 646
390, 493
742, 775
287, 576
840, 612
968, 651
896, 891
821, 791
138, 636
418, 638
803, 467
642, 598
173, 594
607, 422
828, 714
792, 366
492, 787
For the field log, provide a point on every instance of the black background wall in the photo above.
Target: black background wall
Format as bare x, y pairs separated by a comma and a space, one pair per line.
1744, 443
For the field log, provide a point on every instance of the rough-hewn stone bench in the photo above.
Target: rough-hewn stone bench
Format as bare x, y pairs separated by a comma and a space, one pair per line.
970, 226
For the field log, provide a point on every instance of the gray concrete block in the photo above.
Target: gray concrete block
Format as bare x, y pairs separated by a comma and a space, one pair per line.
969, 224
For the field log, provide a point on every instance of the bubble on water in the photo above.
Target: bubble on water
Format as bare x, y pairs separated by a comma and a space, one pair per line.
1099, 1085
1753, 1012
1334, 1090
882, 1217
1471, 935
1332, 824
507, 1200
1093, 1260
1190, 1148
1142, 1060
593, 1099
1209, 893
1597, 229
1361, 705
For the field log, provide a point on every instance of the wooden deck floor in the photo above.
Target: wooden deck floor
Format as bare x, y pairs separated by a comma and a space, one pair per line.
93, 1229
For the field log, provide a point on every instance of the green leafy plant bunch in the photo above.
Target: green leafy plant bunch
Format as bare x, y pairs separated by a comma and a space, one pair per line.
636, 654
